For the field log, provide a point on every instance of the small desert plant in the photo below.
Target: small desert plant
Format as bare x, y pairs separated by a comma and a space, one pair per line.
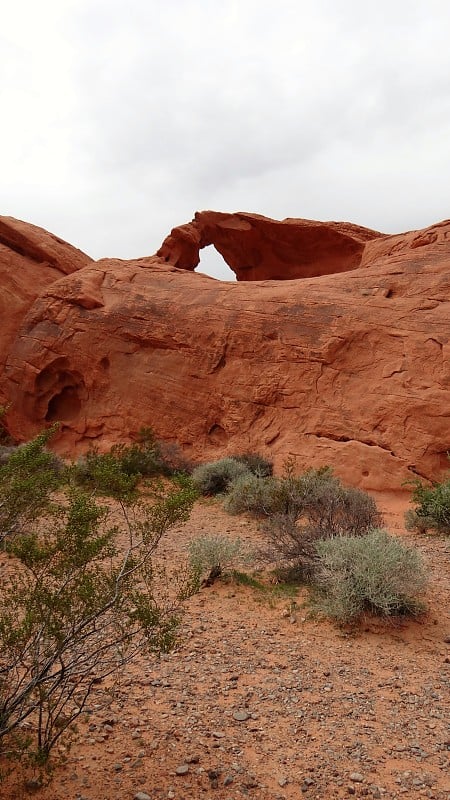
251, 494
211, 556
373, 573
256, 463
216, 476
432, 511
147, 457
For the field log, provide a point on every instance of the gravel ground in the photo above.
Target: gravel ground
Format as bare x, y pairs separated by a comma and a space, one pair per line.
262, 700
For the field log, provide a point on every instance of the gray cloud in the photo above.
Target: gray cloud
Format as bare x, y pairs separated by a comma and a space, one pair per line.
122, 120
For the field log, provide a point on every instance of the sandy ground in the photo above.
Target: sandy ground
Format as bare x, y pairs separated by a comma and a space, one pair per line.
261, 700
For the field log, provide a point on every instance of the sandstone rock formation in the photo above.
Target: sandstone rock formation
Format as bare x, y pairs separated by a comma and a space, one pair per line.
258, 249
345, 361
30, 260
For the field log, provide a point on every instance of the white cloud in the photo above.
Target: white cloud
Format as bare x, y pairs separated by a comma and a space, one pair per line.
121, 120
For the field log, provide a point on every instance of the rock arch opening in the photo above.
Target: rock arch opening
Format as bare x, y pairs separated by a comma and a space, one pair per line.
212, 264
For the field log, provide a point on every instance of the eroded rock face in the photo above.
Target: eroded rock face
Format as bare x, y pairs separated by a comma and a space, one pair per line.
350, 369
257, 248
30, 260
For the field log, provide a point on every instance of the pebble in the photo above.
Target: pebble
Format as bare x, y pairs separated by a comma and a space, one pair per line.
241, 716
142, 796
183, 769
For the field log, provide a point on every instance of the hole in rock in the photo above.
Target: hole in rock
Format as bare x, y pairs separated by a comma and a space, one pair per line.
104, 363
64, 406
212, 264
217, 435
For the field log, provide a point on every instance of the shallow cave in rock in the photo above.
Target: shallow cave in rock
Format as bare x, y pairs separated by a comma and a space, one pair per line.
64, 406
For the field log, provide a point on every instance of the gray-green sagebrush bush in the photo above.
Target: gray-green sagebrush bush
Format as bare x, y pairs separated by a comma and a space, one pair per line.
297, 511
216, 476
212, 556
374, 573
256, 463
79, 596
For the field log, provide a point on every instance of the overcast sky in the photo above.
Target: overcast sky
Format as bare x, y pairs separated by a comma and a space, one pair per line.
119, 120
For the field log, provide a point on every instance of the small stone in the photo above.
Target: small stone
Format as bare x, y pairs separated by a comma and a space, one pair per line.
241, 716
356, 777
183, 769
351, 789
282, 781
142, 796
228, 780
33, 784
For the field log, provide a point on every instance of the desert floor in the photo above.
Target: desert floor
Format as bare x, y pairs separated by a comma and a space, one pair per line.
262, 700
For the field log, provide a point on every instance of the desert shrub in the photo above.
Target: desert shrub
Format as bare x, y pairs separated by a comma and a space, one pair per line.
311, 507
211, 556
143, 457
75, 606
176, 462
255, 463
129, 462
373, 573
216, 476
432, 511
249, 493
103, 473
27, 478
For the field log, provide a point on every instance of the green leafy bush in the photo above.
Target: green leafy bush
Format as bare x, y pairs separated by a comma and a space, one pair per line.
74, 605
432, 511
374, 573
103, 473
216, 476
142, 459
27, 478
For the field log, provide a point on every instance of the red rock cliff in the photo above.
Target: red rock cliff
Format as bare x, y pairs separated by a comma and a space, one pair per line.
30, 260
349, 368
